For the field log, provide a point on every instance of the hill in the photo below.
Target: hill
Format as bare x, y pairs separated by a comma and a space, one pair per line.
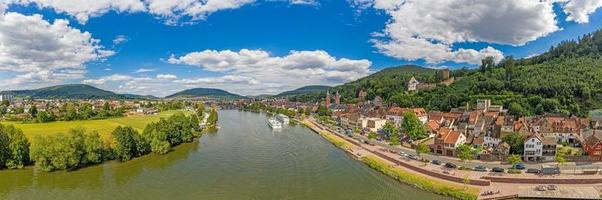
566, 80
205, 92
386, 82
70, 91
305, 90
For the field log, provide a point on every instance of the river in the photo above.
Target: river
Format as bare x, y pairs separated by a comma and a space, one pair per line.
245, 159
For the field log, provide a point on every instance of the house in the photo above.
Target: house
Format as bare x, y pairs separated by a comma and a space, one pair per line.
549, 149
593, 145
432, 127
533, 148
447, 140
413, 84
351, 121
538, 148
373, 124
395, 114
562, 128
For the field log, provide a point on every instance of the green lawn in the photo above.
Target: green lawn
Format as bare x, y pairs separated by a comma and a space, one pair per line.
104, 127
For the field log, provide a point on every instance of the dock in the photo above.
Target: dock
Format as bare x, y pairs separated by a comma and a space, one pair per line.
562, 192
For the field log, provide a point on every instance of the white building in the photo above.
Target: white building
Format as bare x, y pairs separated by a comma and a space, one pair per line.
533, 148
372, 123
6, 97
412, 84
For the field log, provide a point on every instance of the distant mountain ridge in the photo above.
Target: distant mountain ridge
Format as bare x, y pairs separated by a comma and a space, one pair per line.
305, 90
72, 91
205, 92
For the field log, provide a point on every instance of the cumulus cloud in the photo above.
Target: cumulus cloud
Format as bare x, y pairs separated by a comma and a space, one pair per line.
579, 10
256, 71
171, 11
40, 51
429, 29
83, 10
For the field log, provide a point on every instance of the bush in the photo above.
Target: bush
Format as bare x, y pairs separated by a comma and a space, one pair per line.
514, 171
164, 134
14, 148
128, 143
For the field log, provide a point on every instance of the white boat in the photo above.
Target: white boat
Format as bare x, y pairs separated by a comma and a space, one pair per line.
283, 119
275, 124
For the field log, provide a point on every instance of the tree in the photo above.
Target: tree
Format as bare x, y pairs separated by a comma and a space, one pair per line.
125, 143
487, 63
516, 141
392, 132
422, 149
560, 157
18, 147
200, 109
514, 159
413, 127
93, 151
33, 111
465, 152
59, 151
44, 116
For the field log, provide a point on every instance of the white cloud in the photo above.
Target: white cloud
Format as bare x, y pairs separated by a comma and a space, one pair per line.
82, 10
305, 2
256, 71
40, 51
429, 29
120, 39
579, 10
171, 11
166, 77
144, 70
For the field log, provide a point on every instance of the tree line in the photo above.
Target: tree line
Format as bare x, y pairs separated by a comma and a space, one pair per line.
78, 148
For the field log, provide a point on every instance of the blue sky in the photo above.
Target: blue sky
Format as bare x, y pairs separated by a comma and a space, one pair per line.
257, 47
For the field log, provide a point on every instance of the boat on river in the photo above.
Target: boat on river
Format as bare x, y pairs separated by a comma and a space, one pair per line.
275, 124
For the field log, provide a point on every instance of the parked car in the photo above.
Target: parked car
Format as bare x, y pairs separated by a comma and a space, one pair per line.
451, 165
366, 142
401, 153
497, 169
436, 162
480, 168
533, 171
413, 157
519, 166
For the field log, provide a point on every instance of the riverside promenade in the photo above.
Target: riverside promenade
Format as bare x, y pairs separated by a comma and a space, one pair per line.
503, 185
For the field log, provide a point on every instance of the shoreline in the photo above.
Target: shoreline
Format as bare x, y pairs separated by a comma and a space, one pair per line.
401, 174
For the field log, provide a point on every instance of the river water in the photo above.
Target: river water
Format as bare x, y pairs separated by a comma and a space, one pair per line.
245, 159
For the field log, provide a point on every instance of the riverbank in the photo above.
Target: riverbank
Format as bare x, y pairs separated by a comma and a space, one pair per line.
403, 175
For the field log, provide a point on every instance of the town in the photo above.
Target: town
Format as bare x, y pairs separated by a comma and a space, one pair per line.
482, 126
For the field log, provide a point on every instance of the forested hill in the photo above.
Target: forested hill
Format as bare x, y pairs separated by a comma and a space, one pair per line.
70, 91
567, 79
386, 82
205, 92
305, 90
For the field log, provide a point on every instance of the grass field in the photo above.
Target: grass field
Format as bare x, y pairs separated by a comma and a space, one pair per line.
104, 127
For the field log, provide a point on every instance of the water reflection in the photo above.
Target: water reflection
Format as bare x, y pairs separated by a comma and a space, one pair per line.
245, 159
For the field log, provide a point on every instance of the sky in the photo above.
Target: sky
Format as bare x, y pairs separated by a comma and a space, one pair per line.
252, 47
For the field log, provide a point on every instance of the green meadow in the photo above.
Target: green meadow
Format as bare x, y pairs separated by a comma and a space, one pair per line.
104, 126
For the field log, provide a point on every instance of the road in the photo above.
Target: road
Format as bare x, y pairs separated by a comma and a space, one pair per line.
444, 159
